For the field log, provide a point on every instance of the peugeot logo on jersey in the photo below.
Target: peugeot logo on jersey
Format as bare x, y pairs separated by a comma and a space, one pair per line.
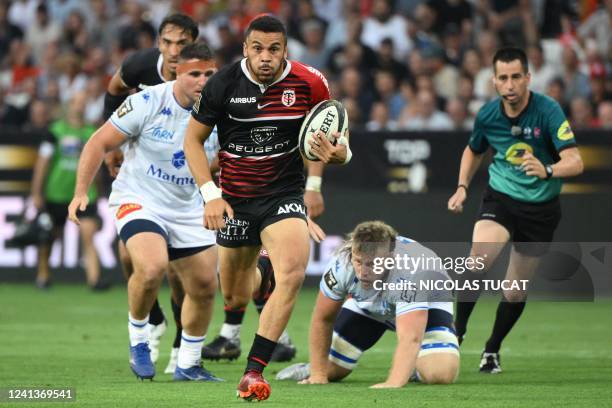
263, 134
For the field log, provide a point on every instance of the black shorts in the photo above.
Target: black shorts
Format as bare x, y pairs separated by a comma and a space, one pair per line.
531, 225
252, 215
59, 212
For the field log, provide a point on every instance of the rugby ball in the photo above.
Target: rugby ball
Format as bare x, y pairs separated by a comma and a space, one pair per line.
328, 116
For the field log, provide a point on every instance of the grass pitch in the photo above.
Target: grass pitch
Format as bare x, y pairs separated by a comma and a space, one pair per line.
559, 354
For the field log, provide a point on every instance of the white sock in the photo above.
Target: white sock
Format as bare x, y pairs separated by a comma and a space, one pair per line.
284, 338
190, 351
138, 330
231, 331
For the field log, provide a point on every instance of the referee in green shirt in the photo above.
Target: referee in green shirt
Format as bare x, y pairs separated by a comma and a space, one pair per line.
534, 148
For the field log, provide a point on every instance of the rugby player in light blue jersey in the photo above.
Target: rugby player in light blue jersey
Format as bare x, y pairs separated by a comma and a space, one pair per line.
353, 311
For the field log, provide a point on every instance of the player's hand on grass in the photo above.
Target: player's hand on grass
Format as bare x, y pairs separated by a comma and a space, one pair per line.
113, 161
214, 211
78, 203
315, 380
327, 152
385, 385
315, 231
455, 203
314, 203
532, 166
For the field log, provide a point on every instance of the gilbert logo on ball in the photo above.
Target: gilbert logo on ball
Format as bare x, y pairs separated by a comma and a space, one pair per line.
328, 117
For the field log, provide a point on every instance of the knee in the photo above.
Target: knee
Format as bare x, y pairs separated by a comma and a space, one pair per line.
438, 377
292, 276
205, 288
515, 296
151, 275
235, 301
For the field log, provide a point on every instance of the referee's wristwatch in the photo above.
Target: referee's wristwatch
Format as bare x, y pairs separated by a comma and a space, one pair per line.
549, 171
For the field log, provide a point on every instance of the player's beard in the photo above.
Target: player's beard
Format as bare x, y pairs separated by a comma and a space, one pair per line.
268, 78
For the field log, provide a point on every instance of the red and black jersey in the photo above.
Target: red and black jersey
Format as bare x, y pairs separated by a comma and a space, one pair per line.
259, 126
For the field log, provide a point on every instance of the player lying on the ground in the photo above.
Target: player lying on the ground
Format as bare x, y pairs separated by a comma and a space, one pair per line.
158, 209
343, 329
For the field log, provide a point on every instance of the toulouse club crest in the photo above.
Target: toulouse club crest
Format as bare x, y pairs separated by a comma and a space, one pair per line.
288, 97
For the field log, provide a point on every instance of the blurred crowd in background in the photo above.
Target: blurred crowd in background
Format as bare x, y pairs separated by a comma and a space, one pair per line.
396, 65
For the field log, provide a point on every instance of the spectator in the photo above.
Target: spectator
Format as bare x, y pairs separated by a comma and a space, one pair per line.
94, 104
425, 83
305, 12
75, 37
556, 90
581, 114
604, 114
483, 83
208, 25
104, 28
230, 49
353, 111
465, 93
61, 9
379, 118
8, 31
384, 24
71, 80
445, 76
314, 53
351, 87
597, 28
459, 115
41, 33
452, 13
576, 82
386, 60
353, 52
541, 72
471, 63
426, 116
135, 31
387, 93
22, 13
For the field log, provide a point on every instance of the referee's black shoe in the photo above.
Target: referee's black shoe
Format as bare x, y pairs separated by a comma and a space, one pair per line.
489, 363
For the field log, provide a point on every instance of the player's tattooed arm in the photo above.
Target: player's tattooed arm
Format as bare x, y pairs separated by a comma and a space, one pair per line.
410, 328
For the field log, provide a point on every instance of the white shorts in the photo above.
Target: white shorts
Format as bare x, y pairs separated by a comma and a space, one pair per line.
183, 228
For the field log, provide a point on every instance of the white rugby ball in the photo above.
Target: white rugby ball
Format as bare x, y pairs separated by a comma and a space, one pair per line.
328, 116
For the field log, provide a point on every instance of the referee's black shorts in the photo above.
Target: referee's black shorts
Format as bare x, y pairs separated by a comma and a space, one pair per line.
531, 225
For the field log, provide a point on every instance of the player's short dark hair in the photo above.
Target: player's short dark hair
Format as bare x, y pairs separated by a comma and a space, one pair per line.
182, 21
197, 50
266, 24
509, 54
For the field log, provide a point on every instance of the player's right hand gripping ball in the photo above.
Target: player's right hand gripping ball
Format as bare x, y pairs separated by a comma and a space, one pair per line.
327, 116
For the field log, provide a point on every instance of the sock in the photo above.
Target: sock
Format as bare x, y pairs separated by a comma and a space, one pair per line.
230, 331
138, 330
507, 315
260, 354
234, 316
259, 304
190, 351
466, 300
176, 312
156, 316
284, 338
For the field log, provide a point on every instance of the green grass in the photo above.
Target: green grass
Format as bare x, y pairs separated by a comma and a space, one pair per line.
559, 354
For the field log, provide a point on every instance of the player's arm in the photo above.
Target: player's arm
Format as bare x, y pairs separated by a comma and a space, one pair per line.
471, 159
321, 329
215, 206
116, 92
105, 139
410, 328
312, 196
45, 152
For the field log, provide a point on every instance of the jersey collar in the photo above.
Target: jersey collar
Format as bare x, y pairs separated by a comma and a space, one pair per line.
262, 87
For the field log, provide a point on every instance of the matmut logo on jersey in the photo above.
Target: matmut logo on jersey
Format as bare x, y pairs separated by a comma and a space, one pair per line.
178, 162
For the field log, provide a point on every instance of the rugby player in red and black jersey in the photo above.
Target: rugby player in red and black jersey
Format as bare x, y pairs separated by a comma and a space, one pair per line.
258, 105
144, 68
